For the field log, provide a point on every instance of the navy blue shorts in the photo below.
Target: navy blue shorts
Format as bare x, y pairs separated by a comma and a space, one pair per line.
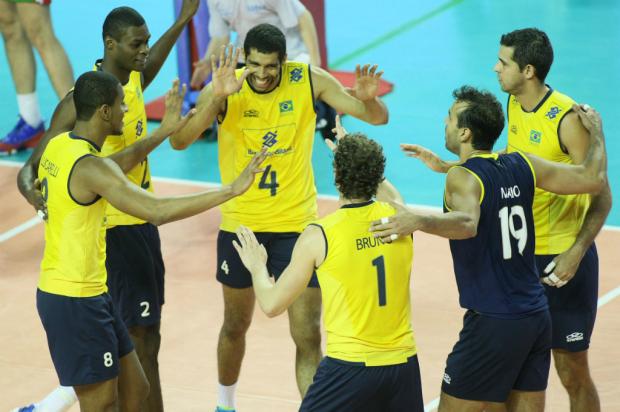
573, 306
230, 269
86, 337
347, 386
494, 356
135, 273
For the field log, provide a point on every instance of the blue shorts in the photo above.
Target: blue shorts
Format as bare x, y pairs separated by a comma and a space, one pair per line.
86, 337
230, 270
573, 306
348, 386
135, 273
494, 356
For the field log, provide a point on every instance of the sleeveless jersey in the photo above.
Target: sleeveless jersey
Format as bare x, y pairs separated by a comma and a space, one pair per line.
496, 270
74, 258
134, 129
365, 288
283, 197
557, 218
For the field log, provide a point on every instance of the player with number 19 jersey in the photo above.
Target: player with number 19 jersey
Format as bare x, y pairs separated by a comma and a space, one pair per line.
283, 198
496, 270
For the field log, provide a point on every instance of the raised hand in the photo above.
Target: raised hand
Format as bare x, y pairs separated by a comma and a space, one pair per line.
246, 178
172, 120
590, 118
35, 198
188, 9
252, 254
339, 131
224, 80
366, 82
429, 158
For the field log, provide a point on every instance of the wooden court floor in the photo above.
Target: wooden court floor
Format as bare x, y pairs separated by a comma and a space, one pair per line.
193, 314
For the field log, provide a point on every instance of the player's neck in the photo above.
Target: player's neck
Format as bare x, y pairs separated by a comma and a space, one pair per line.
532, 95
122, 75
468, 152
89, 131
345, 201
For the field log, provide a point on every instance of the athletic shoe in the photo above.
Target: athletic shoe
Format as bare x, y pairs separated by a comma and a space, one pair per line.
29, 408
220, 409
22, 136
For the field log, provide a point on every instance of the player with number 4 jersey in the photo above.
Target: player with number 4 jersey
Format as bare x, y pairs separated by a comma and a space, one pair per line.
503, 352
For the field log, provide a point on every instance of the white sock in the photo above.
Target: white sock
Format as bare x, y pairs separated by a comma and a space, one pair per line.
226, 396
28, 105
59, 400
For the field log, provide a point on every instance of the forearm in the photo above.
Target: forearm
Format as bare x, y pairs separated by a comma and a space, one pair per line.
594, 220
386, 192
161, 49
307, 30
180, 207
595, 162
129, 157
25, 179
264, 290
452, 225
197, 124
374, 111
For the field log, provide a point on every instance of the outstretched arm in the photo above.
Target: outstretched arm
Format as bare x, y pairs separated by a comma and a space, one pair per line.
161, 49
62, 121
274, 298
588, 175
462, 193
361, 101
101, 176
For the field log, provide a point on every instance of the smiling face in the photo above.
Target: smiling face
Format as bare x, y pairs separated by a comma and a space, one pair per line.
265, 70
132, 50
511, 78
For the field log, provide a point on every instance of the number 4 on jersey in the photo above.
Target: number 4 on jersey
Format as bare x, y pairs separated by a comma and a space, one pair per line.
272, 183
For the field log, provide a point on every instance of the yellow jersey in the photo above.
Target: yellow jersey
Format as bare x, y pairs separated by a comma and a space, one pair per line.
557, 218
134, 129
365, 288
283, 198
74, 258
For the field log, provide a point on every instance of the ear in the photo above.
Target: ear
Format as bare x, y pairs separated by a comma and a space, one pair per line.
109, 43
105, 112
529, 72
465, 135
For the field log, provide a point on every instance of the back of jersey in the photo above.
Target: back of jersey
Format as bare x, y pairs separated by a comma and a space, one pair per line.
496, 270
365, 288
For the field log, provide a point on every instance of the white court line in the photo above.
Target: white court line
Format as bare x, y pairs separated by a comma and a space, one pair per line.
19, 229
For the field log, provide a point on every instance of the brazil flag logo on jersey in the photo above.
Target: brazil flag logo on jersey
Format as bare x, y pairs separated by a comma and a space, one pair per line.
286, 106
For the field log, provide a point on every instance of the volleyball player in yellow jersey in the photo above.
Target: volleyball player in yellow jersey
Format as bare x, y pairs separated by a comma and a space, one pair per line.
134, 261
270, 103
541, 122
88, 341
371, 361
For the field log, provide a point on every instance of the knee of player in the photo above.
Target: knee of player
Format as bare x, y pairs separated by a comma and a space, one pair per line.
40, 37
235, 327
307, 336
11, 29
573, 374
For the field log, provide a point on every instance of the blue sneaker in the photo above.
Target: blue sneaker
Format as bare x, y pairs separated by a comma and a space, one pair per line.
29, 408
22, 136
220, 409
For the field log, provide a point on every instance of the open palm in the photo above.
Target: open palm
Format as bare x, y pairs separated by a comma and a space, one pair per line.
367, 82
224, 80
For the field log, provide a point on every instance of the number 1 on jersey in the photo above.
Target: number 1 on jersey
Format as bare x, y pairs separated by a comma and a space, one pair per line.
379, 263
272, 184
508, 228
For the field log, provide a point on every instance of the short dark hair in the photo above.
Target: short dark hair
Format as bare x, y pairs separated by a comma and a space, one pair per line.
265, 38
483, 116
531, 46
359, 163
119, 19
92, 90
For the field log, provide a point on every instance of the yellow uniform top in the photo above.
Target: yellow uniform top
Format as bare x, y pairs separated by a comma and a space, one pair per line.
133, 130
557, 218
365, 288
283, 198
74, 258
